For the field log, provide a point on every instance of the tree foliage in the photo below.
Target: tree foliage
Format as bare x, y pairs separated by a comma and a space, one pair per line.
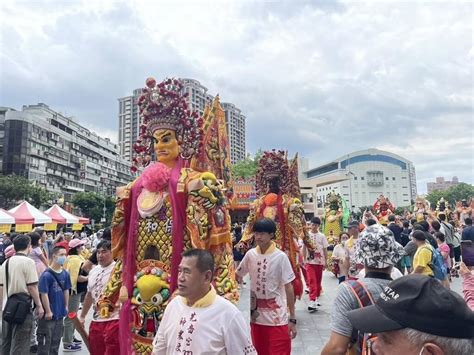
15, 188
92, 204
247, 168
453, 194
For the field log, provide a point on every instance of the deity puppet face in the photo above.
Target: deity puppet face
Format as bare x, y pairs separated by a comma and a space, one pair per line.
166, 146
273, 184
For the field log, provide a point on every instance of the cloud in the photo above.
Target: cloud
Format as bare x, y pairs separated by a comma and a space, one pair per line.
321, 78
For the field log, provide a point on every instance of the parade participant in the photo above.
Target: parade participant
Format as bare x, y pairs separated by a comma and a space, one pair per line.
176, 204
103, 333
416, 315
353, 231
377, 250
271, 277
54, 286
336, 216
383, 208
199, 321
315, 263
340, 255
421, 208
278, 191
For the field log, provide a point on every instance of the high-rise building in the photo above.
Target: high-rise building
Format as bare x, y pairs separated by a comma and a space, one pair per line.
235, 122
129, 123
60, 154
198, 97
441, 184
3, 111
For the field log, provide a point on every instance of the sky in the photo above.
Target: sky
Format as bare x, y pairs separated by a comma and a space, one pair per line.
321, 78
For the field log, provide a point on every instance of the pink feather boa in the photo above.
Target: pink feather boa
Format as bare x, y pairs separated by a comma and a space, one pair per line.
155, 177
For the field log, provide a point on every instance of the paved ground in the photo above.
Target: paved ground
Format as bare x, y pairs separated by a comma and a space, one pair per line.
313, 329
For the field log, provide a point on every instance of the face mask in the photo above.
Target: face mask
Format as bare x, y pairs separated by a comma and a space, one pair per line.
422, 349
61, 260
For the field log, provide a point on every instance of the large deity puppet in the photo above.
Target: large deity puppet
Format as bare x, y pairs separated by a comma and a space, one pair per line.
335, 218
383, 208
442, 207
170, 208
421, 208
279, 199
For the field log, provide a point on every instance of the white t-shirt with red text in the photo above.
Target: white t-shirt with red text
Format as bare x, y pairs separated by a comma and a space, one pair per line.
320, 244
269, 273
98, 278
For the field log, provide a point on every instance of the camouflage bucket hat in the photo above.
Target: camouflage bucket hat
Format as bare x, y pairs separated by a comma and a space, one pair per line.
377, 248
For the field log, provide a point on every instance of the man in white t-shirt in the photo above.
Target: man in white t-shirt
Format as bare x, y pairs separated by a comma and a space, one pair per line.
271, 292
199, 321
103, 332
315, 263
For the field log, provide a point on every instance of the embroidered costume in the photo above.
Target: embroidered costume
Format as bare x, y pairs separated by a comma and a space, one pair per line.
177, 203
278, 191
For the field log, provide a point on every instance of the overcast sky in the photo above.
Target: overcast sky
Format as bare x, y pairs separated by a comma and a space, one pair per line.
321, 78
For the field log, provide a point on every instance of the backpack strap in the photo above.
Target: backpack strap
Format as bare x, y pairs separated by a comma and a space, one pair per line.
6, 275
52, 273
358, 289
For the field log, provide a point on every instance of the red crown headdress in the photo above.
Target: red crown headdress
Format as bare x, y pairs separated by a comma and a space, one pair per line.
272, 164
164, 106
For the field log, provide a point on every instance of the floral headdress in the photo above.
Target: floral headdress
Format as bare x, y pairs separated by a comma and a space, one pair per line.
164, 106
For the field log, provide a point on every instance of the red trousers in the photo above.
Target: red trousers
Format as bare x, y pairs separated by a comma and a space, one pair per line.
271, 340
305, 276
104, 338
315, 278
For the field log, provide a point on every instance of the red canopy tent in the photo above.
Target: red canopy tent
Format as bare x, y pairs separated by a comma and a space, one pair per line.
61, 216
25, 213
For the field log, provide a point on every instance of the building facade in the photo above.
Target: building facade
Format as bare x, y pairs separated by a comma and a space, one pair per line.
441, 184
360, 177
235, 122
59, 154
198, 98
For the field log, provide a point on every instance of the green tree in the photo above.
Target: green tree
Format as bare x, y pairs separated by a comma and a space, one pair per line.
14, 188
248, 167
452, 195
92, 204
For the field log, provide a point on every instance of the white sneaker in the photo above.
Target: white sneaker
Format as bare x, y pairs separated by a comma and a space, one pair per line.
312, 307
317, 303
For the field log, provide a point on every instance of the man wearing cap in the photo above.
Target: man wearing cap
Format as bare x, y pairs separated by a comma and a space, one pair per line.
73, 266
417, 315
377, 250
423, 255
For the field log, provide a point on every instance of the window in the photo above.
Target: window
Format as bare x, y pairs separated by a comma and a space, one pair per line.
393, 178
362, 178
386, 178
355, 177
